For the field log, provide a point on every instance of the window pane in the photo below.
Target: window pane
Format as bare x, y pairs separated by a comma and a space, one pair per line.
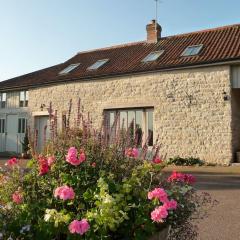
150, 127
138, 126
111, 119
4, 97
26, 95
123, 119
19, 125
131, 118
22, 96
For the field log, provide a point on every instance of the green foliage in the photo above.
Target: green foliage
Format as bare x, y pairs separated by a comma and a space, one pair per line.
190, 161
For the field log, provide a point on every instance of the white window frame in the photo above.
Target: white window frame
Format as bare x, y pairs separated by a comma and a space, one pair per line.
3, 100
153, 56
69, 68
98, 64
191, 50
23, 98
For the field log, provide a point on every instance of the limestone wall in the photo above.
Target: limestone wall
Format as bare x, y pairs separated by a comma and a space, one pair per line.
190, 114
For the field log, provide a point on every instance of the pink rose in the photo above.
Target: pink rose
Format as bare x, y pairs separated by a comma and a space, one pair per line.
51, 160
157, 160
79, 227
131, 152
82, 157
159, 214
12, 162
64, 193
93, 164
17, 197
180, 177
158, 193
43, 165
72, 156
170, 205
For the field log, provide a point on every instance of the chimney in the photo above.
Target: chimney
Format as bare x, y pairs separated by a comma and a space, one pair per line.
153, 32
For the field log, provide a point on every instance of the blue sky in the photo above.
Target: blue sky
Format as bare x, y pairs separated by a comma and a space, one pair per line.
40, 33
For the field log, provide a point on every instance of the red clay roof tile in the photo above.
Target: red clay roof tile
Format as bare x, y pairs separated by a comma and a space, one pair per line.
219, 45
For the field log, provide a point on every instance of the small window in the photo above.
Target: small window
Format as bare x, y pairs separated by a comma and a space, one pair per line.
3, 100
98, 64
2, 125
23, 99
22, 125
69, 68
192, 50
153, 56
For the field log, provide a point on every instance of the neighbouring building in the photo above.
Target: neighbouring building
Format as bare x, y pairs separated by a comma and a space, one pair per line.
184, 88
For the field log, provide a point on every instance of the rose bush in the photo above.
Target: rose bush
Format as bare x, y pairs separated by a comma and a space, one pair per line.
83, 187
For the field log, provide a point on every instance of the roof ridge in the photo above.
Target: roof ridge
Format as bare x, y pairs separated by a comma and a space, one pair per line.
112, 47
206, 30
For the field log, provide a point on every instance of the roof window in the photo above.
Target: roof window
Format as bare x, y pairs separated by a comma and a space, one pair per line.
153, 56
98, 64
69, 68
192, 50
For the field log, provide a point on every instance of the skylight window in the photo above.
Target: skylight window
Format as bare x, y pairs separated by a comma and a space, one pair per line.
153, 56
98, 64
192, 50
69, 68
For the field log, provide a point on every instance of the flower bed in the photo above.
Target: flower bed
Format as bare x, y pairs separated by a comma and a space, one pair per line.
80, 187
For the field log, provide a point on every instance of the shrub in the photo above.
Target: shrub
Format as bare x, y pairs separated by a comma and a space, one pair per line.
82, 186
190, 161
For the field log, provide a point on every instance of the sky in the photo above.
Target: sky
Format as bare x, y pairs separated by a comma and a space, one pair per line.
35, 34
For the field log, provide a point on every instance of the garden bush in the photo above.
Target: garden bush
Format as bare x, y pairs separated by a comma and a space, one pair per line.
189, 161
84, 187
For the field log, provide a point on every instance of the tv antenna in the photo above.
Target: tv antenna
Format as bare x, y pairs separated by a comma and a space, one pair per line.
156, 20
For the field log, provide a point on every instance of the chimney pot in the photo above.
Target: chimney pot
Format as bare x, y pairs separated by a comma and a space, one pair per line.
153, 32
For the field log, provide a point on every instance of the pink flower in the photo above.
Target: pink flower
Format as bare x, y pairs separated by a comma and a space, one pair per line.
157, 160
43, 165
131, 152
17, 197
189, 179
64, 193
180, 177
12, 162
170, 205
158, 193
82, 157
159, 214
72, 156
79, 227
51, 160
93, 164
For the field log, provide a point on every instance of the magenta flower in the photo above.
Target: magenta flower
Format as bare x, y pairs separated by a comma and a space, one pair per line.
157, 160
51, 160
131, 152
180, 177
79, 227
159, 214
72, 156
12, 162
158, 193
17, 197
64, 193
170, 205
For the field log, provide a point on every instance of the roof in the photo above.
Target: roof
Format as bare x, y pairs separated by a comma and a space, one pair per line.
219, 45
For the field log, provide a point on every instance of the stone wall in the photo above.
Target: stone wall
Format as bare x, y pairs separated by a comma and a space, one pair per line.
190, 114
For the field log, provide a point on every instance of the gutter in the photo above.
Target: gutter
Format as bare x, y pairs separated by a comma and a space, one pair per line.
167, 69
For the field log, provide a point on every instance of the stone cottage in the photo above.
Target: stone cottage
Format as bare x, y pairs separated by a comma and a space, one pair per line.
184, 88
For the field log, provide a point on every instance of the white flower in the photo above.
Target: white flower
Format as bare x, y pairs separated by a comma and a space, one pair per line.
47, 217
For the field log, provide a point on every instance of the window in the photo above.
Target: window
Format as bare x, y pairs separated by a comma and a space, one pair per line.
192, 50
3, 100
2, 125
153, 56
69, 68
139, 123
98, 64
23, 99
22, 125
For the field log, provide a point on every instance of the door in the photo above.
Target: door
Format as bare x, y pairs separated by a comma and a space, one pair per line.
12, 133
43, 131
